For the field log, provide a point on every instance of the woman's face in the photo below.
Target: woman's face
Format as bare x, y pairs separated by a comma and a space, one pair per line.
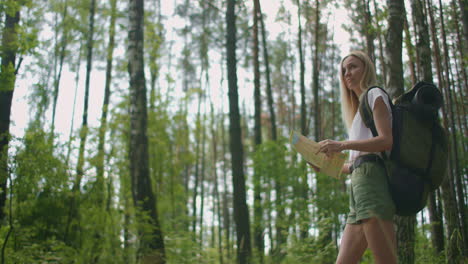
353, 71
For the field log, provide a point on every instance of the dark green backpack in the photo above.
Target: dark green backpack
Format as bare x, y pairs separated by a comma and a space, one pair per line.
418, 160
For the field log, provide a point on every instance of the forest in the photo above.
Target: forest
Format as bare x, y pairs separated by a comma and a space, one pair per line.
158, 131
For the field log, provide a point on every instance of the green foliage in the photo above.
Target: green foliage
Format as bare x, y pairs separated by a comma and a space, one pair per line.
168, 137
182, 249
270, 160
276, 164
48, 251
310, 250
39, 206
10, 7
154, 40
28, 32
424, 252
303, 212
7, 78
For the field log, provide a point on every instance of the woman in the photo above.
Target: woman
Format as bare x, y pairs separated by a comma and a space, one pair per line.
369, 223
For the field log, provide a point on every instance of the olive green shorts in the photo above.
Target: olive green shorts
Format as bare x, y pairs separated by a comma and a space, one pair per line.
369, 194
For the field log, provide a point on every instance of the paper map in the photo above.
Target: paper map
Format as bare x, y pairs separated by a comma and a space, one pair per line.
308, 148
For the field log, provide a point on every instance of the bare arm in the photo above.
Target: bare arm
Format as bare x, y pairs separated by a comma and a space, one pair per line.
382, 142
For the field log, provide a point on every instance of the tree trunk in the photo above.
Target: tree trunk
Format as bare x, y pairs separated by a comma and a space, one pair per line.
84, 124
464, 14
279, 251
151, 241
304, 128
267, 76
105, 105
369, 31
226, 214
72, 122
154, 46
394, 38
74, 216
395, 84
256, 66
269, 208
315, 74
448, 194
258, 212
197, 170
425, 65
7, 86
411, 53
422, 41
57, 77
126, 231
325, 231
405, 238
452, 253
204, 43
217, 213
241, 212
202, 181
336, 86
462, 48
381, 49
437, 228
463, 221
99, 185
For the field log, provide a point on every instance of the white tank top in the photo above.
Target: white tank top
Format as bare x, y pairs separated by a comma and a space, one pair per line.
358, 128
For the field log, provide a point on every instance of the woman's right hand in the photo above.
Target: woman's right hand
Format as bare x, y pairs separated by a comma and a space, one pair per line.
316, 169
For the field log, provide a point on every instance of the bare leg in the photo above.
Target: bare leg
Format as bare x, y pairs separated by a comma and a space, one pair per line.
380, 235
353, 245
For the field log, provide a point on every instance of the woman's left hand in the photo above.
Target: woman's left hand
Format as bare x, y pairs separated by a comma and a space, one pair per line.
329, 147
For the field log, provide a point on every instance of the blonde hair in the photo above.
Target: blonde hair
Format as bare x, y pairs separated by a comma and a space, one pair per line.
349, 100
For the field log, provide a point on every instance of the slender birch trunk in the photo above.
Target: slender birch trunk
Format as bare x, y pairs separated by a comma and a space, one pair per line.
72, 231
84, 124
58, 76
151, 240
72, 122
107, 94
100, 181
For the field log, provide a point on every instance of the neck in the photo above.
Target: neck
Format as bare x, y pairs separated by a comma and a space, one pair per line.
357, 91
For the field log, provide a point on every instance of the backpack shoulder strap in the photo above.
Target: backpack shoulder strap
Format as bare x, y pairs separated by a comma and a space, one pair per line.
366, 111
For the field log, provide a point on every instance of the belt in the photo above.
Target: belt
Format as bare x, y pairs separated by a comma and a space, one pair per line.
363, 159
